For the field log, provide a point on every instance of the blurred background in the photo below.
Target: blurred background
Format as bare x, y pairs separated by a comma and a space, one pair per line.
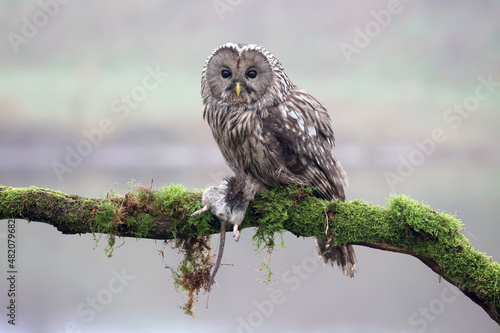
95, 94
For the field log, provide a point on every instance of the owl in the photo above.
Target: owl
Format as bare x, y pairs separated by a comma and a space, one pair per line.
272, 130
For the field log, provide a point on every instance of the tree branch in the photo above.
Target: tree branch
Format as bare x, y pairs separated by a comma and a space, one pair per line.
404, 226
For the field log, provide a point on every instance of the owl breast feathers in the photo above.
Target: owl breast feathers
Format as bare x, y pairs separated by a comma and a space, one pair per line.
272, 130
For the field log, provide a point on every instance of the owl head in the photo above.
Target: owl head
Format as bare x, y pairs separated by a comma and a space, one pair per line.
244, 75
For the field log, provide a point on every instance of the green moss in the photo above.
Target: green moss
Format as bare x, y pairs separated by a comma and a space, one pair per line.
274, 210
106, 221
177, 200
178, 203
68, 213
420, 217
107, 218
142, 225
137, 212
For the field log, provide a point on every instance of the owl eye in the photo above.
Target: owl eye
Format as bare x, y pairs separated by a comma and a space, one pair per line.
225, 74
252, 74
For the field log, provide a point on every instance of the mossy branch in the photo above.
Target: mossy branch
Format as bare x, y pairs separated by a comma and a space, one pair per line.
404, 226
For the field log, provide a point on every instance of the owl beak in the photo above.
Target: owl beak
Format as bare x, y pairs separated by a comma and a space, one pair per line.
238, 88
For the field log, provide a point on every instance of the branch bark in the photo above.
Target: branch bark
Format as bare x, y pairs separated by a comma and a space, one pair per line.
404, 226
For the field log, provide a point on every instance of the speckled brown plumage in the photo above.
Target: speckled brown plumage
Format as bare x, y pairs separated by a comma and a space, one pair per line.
270, 129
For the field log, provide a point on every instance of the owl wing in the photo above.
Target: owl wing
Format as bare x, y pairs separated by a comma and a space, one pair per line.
299, 136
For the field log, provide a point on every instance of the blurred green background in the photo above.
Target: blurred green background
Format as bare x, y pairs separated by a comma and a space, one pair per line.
67, 67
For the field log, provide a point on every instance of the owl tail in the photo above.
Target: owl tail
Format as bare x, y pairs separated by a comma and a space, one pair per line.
342, 254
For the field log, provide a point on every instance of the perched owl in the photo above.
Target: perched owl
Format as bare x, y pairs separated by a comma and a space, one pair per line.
272, 130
